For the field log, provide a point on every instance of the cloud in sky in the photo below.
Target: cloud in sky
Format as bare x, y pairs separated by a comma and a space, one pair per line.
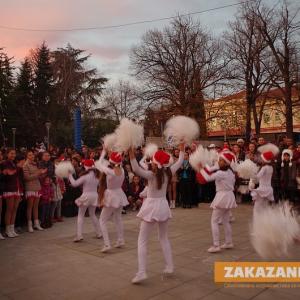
109, 48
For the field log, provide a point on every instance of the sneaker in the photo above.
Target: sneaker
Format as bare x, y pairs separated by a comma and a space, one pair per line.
8, 232
119, 244
2, 237
99, 236
227, 246
168, 271
105, 249
232, 219
78, 239
139, 277
214, 249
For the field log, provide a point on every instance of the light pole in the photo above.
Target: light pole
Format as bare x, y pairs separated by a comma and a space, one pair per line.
48, 125
14, 137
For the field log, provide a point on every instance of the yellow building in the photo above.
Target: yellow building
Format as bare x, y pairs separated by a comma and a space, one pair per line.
226, 116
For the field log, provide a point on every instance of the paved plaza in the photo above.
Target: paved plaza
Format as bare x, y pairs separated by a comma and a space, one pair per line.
48, 265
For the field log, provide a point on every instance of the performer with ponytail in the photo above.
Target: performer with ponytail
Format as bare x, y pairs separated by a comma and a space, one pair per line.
155, 208
224, 200
89, 181
264, 193
112, 197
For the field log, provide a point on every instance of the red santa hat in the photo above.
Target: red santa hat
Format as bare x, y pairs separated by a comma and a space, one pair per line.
115, 158
88, 163
227, 156
290, 153
268, 152
162, 159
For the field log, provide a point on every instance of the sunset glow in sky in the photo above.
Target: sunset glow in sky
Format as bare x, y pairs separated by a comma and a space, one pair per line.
110, 47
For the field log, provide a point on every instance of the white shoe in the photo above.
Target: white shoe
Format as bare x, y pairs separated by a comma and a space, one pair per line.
99, 236
37, 225
2, 237
168, 271
8, 232
227, 246
105, 249
78, 239
12, 229
30, 229
232, 219
139, 277
214, 249
119, 244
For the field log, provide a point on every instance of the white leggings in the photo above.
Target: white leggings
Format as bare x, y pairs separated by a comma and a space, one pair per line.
80, 220
106, 214
223, 215
145, 230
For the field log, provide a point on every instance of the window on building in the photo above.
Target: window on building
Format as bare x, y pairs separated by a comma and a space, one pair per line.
266, 118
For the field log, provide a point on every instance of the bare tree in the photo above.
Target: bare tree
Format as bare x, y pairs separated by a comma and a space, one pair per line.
122, 100
179, 65
251, 66
280, 29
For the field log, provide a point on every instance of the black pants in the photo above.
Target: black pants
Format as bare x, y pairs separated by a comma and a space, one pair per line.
186, 192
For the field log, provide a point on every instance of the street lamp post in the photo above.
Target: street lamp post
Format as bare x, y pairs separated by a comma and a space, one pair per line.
48, 125
14, 137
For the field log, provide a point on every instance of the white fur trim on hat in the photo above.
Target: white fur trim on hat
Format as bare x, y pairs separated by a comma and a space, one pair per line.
290, 153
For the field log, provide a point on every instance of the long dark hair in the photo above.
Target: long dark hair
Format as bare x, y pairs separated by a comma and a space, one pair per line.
160, 176
102, 188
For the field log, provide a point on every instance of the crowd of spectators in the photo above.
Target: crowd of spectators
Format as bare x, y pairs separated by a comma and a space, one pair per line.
29, 189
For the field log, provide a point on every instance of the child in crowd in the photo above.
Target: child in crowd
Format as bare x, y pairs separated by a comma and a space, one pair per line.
58, 186
135, 188
288, 175
47, 195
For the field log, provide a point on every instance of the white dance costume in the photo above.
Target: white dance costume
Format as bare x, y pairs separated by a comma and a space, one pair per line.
114, 200
155, 209
223, 202
87, 200
264, 193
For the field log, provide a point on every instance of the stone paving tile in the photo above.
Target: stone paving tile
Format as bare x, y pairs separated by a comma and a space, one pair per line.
48, 265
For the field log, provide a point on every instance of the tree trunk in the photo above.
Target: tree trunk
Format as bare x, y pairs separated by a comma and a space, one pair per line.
288, 111
248, 119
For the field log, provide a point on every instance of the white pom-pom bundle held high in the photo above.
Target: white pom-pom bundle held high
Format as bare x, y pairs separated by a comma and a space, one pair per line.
63, 169
128, 135
200, 157
110, 141
247, 169
181, 129
150, 150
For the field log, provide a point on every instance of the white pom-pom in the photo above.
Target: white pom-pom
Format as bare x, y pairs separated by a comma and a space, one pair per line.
63, 169
110, 141
150, 150
269, 147
99, 165
200, 156
129, 134
274, 231
181, 129
247, 169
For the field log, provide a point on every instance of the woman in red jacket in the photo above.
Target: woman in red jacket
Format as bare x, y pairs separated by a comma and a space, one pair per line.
13, 191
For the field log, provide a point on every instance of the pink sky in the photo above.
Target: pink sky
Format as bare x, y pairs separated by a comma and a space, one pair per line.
109, 48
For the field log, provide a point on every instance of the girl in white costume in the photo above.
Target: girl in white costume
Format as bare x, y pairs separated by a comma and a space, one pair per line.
155, 208
88, 199
112, 198
264, 193
224, 200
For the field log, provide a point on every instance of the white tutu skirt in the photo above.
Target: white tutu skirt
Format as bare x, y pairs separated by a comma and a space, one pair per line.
265, 193
87, 199
155, 209
115, 198
224, 199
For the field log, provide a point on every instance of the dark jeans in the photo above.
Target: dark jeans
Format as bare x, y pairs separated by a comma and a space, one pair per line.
186, 192
45, 212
